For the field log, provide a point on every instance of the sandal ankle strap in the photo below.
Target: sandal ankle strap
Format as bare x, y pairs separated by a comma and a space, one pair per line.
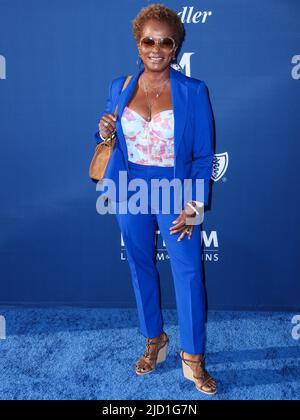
192, 361
163, 340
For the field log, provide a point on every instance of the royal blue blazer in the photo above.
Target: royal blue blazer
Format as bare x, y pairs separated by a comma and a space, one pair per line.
193, 129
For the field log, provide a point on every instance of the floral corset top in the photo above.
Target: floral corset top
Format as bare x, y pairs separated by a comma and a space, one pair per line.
149, 142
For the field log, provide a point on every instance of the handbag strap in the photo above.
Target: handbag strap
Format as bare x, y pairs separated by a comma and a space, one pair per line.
127, 80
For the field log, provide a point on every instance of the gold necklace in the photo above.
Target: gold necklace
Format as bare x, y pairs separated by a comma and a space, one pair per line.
157, 95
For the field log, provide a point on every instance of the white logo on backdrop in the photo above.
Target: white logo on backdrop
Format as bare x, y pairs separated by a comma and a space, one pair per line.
2, 67
296, 70
220, 165
190, 15
296, 329
185, 64
2, 328
210, 247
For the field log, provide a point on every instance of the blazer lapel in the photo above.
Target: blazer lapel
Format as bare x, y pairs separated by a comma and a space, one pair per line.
179, 95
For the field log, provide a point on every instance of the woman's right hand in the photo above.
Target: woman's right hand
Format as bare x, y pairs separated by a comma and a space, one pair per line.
107, 131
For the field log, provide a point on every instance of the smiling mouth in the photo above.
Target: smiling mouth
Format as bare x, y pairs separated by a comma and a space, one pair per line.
156, 59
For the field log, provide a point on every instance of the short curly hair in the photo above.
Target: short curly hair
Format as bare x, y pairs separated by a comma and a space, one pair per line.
160, 13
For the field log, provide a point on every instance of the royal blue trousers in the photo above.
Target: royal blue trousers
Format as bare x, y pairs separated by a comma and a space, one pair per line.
139, 233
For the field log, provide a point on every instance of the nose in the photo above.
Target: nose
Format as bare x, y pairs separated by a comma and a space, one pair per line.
156, 47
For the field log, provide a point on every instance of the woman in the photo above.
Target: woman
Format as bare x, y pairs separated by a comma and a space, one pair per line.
164, 130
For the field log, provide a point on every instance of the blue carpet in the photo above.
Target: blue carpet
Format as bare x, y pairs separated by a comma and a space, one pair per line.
87, 354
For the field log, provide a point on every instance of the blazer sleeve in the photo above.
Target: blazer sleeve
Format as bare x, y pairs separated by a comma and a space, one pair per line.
203, 153
107, 110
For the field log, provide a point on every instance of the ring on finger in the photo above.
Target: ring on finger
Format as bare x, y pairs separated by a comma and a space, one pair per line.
106, 124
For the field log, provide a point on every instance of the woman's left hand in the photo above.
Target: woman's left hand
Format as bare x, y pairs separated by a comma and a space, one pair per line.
181, 226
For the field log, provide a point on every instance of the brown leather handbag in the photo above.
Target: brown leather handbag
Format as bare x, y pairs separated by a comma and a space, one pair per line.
104, 150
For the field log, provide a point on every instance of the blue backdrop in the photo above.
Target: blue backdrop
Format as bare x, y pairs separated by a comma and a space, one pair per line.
57, 58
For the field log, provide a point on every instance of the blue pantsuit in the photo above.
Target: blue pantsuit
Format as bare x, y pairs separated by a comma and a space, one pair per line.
193, 141
185, 257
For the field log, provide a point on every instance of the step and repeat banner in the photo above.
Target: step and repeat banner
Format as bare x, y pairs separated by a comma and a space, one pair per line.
56, 61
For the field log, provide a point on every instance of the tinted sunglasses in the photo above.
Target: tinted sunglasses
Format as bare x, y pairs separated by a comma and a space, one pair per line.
167, 43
